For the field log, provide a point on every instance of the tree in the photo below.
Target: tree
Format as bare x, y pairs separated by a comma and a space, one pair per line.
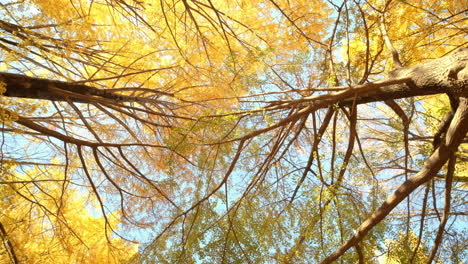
242, 131
41, 224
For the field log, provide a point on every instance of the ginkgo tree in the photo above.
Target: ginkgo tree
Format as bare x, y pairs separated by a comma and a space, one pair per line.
219, 131
42, 224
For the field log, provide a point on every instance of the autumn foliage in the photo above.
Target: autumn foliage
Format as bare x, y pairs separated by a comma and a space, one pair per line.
218, 131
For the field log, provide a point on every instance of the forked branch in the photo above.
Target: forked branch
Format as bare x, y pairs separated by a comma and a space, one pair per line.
455, 134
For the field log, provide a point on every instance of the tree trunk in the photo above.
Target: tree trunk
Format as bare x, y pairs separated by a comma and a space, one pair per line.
22, 86
448, 74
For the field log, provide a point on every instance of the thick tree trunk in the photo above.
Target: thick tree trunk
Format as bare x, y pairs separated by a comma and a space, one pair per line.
22, 86
448, 74
455, 134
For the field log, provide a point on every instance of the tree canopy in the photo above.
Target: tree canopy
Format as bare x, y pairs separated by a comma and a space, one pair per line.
211, 131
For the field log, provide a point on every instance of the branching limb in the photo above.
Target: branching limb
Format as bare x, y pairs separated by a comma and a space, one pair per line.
388, 42
444, 124
313, 151
455, 134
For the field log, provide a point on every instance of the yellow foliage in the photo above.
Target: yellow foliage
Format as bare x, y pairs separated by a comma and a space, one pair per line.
401, 250
414, 28
436, 107
46, 225
204, 55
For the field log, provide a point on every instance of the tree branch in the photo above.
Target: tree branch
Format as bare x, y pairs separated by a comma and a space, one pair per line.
23, 86
455, 134
8, 245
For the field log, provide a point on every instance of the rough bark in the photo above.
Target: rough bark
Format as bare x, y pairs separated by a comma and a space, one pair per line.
448, 74
22, 86
455, 134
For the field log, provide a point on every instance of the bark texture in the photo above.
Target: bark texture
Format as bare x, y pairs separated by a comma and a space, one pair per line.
448, 74
22, 86
455, 134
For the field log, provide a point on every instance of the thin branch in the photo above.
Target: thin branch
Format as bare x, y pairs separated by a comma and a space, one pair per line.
445, 214
456, 132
